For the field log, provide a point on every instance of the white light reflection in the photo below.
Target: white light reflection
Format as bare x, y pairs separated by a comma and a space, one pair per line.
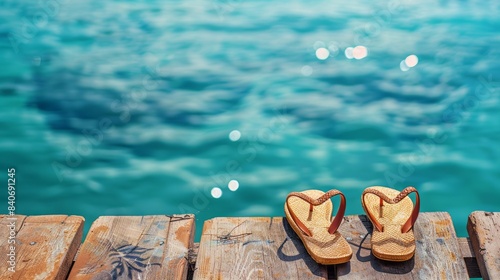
403, 66
348, 52
411, 60
216, 192
233, 185
234, 135
359, 52
322, 53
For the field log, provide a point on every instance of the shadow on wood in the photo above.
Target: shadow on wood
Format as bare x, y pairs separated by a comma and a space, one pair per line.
302, 252
135, 247
437, 255
357, 230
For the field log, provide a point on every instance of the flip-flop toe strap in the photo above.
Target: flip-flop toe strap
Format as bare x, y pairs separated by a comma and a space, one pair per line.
315, 202
383, 197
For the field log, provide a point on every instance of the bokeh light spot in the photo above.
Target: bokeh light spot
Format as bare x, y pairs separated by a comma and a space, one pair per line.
233, 185
359, 52
234, 135
411, 60
348, 52
322, 53
403, 66
216, 192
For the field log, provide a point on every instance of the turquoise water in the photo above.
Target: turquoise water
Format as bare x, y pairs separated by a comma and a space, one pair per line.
127, 107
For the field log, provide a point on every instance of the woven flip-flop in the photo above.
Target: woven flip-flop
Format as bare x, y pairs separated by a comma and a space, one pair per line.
310, 213
392, 237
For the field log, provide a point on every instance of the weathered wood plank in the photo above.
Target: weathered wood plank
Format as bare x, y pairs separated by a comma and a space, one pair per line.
45, 246
253, 248
469, 257
484, 233
437, 256
135, 247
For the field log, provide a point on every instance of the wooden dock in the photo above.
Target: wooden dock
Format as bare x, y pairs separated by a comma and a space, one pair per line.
162, 247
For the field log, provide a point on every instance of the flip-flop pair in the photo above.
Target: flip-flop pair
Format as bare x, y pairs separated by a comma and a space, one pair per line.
309, 214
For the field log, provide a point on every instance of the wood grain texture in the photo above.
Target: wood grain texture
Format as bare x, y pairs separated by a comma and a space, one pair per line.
135, 247
45, 246
484, 233
469, 257
437, 255
253, 248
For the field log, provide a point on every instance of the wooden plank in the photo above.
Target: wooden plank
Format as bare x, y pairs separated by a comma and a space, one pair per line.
253, 248
469, 257
484, 233
44, 246
437, 256
135, 247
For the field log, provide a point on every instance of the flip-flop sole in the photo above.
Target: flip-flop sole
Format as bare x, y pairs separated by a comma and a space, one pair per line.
391, 244
323, 247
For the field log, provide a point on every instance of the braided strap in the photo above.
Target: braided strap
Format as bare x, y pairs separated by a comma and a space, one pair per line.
383, 197
315, 202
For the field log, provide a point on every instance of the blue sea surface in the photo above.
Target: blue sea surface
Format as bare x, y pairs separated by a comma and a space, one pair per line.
221, 108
